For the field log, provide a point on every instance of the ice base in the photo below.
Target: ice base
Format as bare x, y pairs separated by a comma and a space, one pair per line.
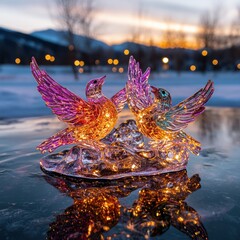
123, 153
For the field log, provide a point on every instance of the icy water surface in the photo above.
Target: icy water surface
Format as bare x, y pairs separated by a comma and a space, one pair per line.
202, 202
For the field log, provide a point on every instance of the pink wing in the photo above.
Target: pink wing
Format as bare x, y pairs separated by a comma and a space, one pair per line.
138, 88
66, 105
119, 99
179, 116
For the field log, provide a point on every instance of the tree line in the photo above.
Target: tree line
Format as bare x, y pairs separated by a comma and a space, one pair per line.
78, 16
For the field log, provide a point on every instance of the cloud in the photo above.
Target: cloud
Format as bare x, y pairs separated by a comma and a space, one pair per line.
117, 17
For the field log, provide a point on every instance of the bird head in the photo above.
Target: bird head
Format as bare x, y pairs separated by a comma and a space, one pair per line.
162, 96
94, 88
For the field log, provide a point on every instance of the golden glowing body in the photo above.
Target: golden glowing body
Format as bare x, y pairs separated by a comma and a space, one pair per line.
156, 118
87, 120
147, 125
101, 126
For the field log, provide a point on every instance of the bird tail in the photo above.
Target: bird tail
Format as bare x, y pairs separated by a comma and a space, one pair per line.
61, 138
192, 144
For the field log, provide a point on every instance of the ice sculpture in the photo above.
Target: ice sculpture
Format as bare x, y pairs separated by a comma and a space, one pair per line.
92, 119
97, 208
124, 152
153, 143
155, 116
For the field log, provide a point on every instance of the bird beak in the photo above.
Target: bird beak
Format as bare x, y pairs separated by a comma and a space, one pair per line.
102, 80
154, 90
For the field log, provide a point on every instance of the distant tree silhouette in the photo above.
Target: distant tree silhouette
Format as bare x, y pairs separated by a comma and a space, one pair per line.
168, 39
207, 37
208, 26
234, 37
75, 17
136, 32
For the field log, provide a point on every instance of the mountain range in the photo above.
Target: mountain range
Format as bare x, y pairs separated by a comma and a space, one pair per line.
16, 44
58, 37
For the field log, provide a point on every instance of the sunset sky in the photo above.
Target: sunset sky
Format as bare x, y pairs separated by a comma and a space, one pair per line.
116, 21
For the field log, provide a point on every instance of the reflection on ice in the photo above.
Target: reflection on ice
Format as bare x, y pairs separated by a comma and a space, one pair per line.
25, 207
97, 209
218, 126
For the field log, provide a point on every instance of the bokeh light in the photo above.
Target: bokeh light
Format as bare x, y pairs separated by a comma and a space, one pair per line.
215, 62
52, 59
115, 61
76, 63
110, 61
193, 68
121, 70
165, 60
17, 60
204, 53
47, 57
114, 69
126, 52
81, 63
81, 70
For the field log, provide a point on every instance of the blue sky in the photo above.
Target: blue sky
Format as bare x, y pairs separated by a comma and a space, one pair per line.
115, 20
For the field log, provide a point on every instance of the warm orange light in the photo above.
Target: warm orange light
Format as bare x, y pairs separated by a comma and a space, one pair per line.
180, 219
165, 60
189, 43
115, 61
76, 63
81, 70
126, 52
17, 60
204, 53
47, 57
121, 70
238, 65
193, 68
81, 63
110, 61
114, 69
97, 62
52, 59
215, 62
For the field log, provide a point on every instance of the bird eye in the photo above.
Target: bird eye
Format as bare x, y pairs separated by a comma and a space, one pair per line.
164, 93
95, 81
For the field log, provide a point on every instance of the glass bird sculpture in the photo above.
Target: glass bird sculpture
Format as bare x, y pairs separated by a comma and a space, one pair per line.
154, 143
87, 120
156, 118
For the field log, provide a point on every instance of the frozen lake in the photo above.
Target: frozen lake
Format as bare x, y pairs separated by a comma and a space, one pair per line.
202, 201
34, 206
